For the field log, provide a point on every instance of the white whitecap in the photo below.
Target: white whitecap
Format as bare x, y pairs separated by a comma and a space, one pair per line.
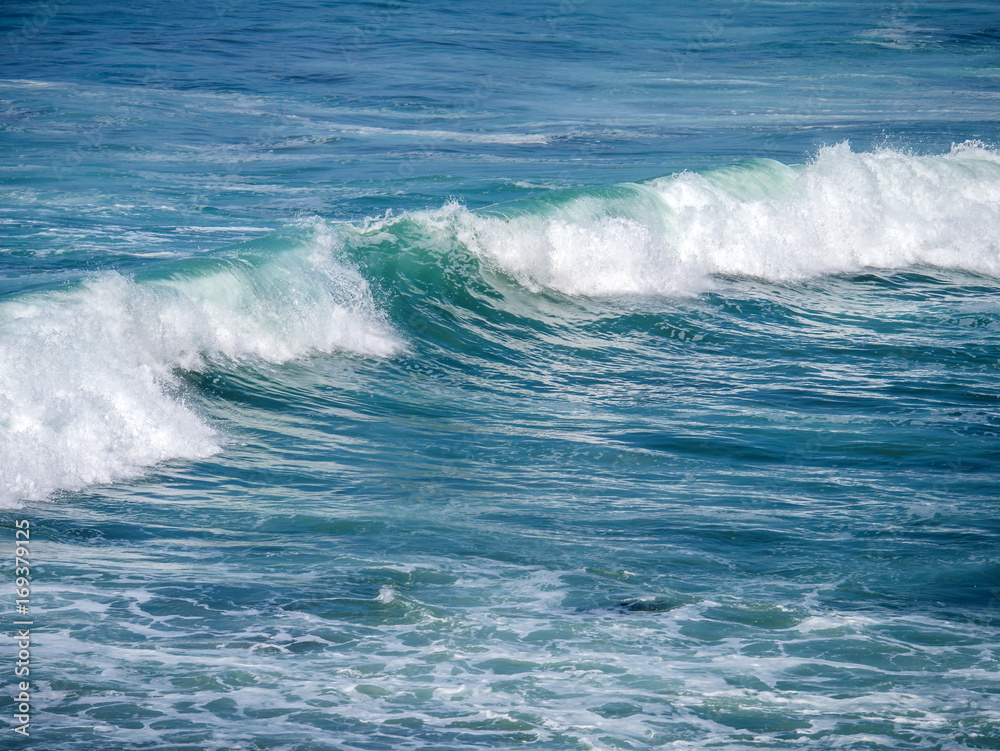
843, 212
88, 389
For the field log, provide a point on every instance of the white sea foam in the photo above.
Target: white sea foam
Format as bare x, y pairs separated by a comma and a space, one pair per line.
88, 392
843, 212
448, 135
497, 658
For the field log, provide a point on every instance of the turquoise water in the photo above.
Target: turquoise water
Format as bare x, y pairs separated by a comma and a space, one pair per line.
567, 376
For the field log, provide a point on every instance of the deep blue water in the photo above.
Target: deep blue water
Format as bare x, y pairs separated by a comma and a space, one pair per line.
445, 375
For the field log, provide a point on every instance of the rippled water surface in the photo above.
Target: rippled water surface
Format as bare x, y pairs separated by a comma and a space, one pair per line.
570, 376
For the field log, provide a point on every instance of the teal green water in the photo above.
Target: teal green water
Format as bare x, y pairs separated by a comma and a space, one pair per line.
421, 376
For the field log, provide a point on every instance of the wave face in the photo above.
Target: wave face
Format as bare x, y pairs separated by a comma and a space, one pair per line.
89, 389
88, 376
842, 212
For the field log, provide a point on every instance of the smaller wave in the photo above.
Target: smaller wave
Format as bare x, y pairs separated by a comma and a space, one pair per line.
88, 386
843, 212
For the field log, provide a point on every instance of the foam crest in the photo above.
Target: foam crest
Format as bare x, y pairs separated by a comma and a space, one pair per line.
843, 212
88, 391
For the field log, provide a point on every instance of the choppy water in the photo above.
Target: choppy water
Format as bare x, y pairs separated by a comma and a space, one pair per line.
438, 376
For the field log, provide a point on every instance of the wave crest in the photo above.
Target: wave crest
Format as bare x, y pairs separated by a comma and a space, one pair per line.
842, 212
88, 392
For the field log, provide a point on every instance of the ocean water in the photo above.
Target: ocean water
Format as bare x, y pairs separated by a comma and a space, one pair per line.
559, 375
